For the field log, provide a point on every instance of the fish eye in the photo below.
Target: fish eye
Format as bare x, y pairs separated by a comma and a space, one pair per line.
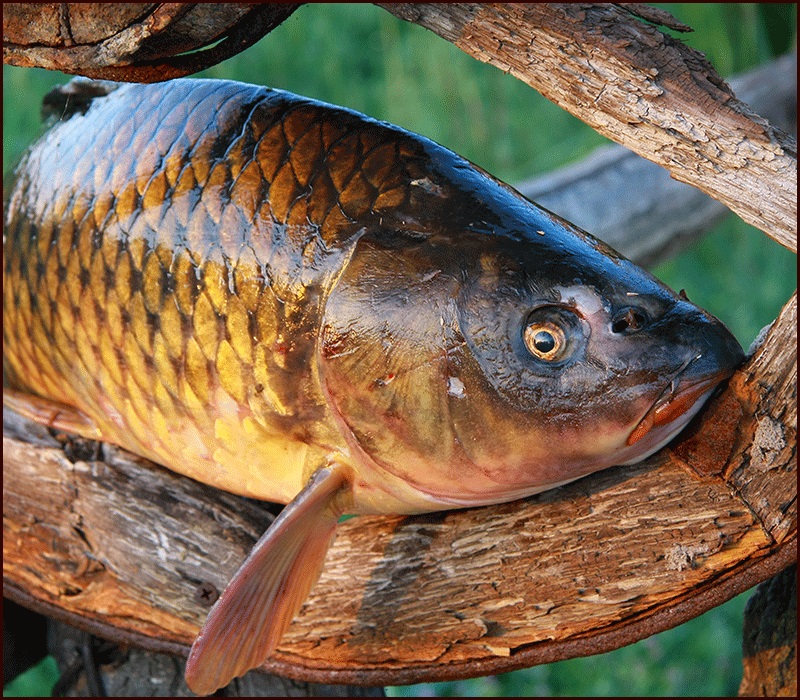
547, 334
545, 341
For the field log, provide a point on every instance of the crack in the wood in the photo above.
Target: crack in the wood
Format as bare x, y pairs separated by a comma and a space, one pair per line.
78, 449
735, 489
64, 25
784, 507
77, 529
70, 591
599, 94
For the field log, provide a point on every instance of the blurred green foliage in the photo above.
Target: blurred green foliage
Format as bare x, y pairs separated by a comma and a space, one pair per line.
361, 57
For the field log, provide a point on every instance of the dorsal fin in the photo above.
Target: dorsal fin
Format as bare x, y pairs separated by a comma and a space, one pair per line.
64, 101
258, 605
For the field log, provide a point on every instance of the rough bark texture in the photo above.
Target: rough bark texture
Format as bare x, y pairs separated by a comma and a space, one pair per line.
770, 639
138, 42
639, 88
123, 548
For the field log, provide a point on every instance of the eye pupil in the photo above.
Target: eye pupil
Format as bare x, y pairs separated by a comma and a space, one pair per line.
544, 341
551, 335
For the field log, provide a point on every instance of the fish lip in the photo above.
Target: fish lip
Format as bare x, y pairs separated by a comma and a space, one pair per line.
678, 397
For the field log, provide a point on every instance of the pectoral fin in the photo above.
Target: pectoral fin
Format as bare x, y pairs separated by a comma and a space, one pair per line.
249, 619
51, 413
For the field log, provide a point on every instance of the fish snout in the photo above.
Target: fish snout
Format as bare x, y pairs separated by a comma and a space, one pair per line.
712, 349
711, 355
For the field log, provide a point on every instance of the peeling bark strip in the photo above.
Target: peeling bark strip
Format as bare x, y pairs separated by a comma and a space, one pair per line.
120, 546
638, 87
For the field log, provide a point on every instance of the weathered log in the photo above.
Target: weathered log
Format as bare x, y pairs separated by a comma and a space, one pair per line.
770, 639
138, 42
122, 547
640, 88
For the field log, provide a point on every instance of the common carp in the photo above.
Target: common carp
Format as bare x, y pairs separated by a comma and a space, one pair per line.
294, 302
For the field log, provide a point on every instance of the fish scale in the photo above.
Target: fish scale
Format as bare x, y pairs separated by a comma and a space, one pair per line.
180, 259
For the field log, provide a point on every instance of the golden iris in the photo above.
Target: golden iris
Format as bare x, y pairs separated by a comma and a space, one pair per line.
545, 340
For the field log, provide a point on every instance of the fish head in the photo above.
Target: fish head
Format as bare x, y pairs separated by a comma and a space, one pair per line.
579, 359
511, 355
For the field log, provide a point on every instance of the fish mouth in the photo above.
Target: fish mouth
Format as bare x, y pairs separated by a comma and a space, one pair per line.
680, 400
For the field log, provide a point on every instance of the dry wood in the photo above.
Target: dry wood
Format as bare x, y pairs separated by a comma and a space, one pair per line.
139, 42
639, 88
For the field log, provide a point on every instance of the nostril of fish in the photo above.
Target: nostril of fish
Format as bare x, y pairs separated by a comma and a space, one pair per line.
628, 320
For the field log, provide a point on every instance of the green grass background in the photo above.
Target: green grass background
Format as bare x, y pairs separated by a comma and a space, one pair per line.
361, 57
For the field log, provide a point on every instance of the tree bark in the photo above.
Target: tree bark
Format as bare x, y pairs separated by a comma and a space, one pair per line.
136, 42
633, 204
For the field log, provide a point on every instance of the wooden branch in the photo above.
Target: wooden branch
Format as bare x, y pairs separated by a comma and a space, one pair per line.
110, 542
633, 204
638, 87
144, 42
125, 549
137, 42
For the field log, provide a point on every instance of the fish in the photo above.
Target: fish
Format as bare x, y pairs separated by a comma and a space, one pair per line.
295, 302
